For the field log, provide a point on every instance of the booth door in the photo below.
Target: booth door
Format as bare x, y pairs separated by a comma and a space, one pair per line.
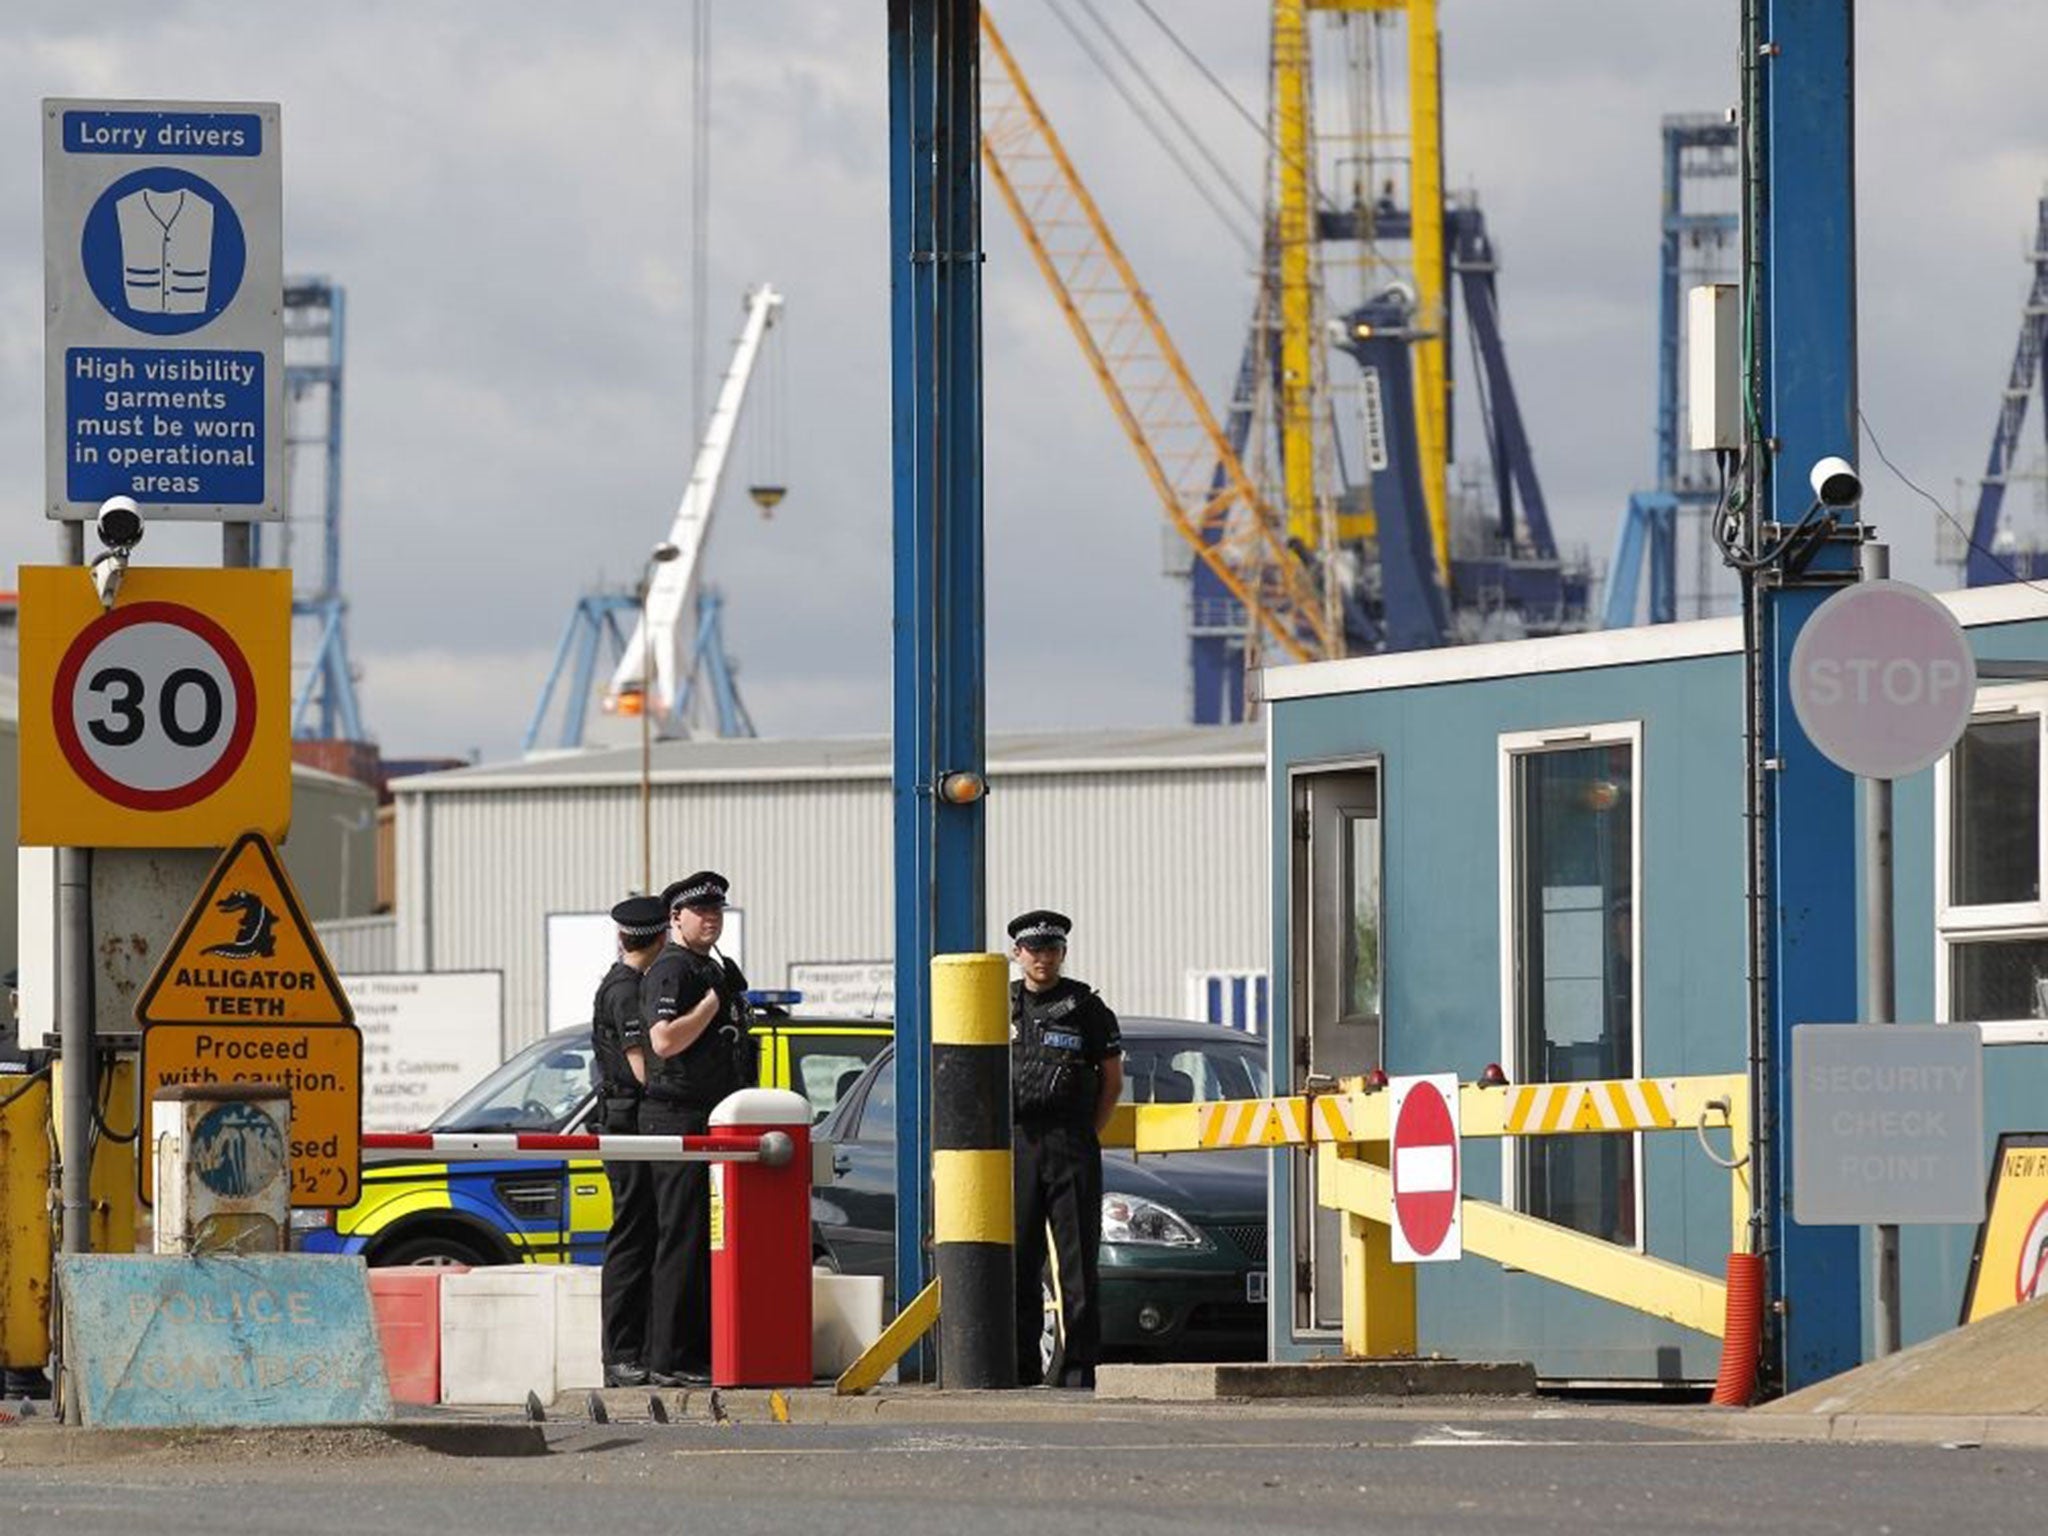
1335, 935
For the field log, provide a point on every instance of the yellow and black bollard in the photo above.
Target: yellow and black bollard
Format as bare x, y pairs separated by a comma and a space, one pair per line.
973, 1228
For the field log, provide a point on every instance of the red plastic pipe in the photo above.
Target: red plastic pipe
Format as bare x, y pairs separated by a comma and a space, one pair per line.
1742, 1333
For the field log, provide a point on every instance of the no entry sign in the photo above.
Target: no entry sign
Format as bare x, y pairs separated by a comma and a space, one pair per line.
1426, 1169
1883, 679
161, 722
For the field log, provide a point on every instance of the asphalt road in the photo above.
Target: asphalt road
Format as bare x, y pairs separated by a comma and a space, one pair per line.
1215, 1469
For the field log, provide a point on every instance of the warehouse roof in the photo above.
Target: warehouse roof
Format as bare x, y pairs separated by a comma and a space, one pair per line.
1173, 749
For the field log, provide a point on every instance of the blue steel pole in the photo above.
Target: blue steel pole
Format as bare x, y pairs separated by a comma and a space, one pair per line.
1668, 301
1808, 374
935, 293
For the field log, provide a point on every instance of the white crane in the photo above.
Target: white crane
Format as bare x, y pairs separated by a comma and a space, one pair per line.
667, 622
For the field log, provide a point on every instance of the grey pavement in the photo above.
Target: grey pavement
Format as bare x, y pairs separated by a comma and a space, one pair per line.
1032, 1462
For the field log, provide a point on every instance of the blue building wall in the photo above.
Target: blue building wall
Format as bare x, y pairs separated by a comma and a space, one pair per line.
1934, 1262
1439, 746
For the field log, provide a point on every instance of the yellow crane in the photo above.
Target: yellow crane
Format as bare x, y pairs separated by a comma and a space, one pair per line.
1291, 603
1302, 411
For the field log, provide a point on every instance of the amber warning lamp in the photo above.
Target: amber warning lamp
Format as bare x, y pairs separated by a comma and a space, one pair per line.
962, 787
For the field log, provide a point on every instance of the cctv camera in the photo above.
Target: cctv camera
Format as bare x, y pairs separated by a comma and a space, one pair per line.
119, 524
1836, 483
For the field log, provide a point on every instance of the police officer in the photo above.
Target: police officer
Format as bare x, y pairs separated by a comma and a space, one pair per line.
618, 1039
695, 1007
1066, 1071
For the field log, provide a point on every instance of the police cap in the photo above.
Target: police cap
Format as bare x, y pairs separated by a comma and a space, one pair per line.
706, 888
641, 917
1040, 927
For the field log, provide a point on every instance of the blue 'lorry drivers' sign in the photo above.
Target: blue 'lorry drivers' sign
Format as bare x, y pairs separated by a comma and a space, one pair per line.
164, 272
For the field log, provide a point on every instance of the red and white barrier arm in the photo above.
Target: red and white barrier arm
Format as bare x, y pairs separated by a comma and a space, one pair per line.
771, 1147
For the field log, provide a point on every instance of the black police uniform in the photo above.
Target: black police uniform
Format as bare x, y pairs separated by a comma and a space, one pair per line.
681, 1092
616, 1028
1059, 1041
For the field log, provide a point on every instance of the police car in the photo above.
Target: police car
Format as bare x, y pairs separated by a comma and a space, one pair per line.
433, 1212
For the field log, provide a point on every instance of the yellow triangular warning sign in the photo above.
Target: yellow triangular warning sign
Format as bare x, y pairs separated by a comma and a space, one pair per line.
245, 952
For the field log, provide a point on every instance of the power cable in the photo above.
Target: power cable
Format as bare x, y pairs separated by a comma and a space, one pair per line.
1159, 94
1159, 134
1969, 535
1204, 70
700, 206
1262, 129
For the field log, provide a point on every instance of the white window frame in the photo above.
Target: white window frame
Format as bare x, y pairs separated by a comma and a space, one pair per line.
1561, 738
1954, 924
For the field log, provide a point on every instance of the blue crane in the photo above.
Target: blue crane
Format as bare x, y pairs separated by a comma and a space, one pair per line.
1989, 564
1399, 601
315, 310
1697, 149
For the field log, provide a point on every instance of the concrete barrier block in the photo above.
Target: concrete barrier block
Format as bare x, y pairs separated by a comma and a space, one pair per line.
498, 1334
407, 1302
579, 1327
846, 1317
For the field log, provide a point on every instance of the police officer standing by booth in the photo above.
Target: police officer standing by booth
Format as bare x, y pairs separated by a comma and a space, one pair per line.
618, 1039
698, 1051
1066, 1072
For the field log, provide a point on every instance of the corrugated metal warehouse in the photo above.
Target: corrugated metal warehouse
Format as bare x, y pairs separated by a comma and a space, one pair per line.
1152, 840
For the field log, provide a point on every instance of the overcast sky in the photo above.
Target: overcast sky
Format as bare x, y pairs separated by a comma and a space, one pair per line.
503, 190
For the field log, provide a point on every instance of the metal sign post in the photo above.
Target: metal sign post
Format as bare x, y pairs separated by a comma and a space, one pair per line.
163, 273
935, 287
1882, 682
1880, 995
1800, 351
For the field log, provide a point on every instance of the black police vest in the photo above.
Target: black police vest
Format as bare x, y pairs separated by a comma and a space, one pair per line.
618, 1000
709, 1067
1051, 1077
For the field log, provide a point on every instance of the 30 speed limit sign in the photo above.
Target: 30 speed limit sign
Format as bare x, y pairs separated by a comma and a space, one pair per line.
162, 722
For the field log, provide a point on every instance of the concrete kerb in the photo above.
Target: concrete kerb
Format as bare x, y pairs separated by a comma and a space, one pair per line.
1960, 1431
1364, 1379
1456, 1396
55, 1445
1119, 1389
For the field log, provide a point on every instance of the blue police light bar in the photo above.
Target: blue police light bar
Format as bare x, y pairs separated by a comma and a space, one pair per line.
762, 997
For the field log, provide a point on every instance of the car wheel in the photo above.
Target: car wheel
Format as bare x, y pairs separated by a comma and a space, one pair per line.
433, 1250
1052, 1332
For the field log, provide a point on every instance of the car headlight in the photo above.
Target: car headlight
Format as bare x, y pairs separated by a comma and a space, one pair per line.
1134, 1219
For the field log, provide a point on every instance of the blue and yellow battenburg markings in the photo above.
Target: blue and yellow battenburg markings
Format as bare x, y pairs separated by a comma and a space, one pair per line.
572, 1200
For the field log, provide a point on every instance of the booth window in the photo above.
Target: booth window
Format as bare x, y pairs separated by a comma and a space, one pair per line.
1570, 816
1991, 944
1360, 965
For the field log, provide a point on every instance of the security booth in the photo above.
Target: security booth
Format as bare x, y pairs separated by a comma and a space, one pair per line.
1532, 854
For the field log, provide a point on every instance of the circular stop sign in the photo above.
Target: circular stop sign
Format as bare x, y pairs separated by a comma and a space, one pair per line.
1425, 1157
1883, 680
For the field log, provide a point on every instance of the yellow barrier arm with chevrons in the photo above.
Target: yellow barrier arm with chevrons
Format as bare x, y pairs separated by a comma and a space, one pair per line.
1350, 1129
1354, 1114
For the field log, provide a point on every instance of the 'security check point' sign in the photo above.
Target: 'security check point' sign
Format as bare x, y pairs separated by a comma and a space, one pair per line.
164, 279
